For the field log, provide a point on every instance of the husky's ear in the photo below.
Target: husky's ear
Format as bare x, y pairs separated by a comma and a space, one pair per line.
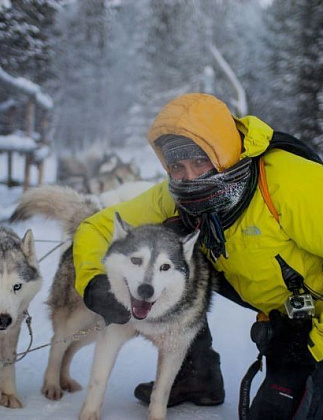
189, 243
28, 248
121, 228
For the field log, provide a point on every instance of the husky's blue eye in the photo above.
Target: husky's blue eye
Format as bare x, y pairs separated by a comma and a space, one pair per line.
136, 260
164, 267
17, 286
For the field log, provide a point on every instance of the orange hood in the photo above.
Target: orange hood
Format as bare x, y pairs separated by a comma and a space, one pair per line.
205, 120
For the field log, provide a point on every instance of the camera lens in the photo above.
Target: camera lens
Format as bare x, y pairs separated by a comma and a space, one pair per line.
297, 302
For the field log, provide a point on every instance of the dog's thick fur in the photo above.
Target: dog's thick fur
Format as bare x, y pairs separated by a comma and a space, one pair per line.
163, 280
20, 280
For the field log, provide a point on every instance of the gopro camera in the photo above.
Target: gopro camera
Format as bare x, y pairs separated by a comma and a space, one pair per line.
300, 306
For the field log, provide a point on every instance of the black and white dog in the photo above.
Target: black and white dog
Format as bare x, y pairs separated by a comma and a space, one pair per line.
159, 276
20, 280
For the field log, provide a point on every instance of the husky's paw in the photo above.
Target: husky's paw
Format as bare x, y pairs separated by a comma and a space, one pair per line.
52, 392
70, 385
87, 415
10, 401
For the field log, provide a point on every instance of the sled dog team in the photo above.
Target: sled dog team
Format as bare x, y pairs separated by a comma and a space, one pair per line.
153, 272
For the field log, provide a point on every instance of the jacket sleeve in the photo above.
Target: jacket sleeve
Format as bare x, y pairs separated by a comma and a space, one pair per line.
296, 188
92, 238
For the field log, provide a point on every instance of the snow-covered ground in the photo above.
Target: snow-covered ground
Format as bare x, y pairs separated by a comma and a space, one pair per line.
230, 326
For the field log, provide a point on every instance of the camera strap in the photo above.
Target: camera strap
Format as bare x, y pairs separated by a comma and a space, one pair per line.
301, 304
261, 335
294, 281
245, 386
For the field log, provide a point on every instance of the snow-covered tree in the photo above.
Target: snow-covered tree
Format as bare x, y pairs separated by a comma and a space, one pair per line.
177, 49
82, 68
296, 67
26, 31
242, 45
309, 72
171, 51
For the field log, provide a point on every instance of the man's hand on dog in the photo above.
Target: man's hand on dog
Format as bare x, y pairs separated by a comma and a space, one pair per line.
99, 299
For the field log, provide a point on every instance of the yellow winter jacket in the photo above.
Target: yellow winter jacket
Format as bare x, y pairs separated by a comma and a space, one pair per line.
252, 242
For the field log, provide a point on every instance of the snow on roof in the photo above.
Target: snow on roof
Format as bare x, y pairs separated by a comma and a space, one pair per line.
28, 87
17, 143
6, 105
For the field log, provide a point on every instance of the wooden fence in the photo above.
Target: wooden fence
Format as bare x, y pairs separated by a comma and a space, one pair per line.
24, 122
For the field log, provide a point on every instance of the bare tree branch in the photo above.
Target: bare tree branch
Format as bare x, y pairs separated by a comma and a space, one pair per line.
240, 101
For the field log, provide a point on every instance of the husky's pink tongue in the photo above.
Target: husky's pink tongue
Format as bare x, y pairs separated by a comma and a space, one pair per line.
140, 308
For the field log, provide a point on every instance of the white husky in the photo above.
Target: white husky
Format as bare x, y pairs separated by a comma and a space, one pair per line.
19, 282
159, 276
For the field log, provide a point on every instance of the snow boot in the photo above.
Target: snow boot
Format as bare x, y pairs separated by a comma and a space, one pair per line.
199, 380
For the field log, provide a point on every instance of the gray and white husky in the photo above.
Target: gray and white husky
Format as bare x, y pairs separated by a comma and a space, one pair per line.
20, 280
159, 276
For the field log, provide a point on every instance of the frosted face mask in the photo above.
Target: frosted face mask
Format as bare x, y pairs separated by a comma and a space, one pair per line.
213, 191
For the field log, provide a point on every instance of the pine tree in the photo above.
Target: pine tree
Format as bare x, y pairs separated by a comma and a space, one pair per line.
296, 39
26, 28
309, 89
82, 66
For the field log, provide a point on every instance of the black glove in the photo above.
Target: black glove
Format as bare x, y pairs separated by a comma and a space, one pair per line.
311, 406
99, 299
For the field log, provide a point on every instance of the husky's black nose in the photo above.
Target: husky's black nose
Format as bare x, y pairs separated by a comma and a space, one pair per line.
5, 321
145, 291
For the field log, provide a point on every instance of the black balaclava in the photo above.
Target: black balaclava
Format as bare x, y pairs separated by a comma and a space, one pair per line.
213, 201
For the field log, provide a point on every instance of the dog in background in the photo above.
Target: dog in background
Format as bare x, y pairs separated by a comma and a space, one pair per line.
20, 280
92, 173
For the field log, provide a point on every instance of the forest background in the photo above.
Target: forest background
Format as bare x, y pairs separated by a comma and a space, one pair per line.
110, 65
106, 68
